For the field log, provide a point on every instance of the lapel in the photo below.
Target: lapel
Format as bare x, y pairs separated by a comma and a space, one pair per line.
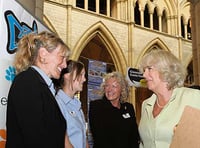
149, 105
43, 83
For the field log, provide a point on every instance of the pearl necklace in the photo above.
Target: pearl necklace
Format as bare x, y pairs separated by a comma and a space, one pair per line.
160, 106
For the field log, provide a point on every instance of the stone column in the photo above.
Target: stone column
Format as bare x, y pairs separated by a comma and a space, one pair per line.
39, 9
160, 22
97, 6
86, 4
118, 9
185, 31
151, 20
108, 8
142, 17
195, 19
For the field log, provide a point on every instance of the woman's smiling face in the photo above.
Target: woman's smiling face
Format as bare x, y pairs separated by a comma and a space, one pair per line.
112, 89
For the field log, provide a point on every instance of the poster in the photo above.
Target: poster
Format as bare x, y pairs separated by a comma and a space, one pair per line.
96, 71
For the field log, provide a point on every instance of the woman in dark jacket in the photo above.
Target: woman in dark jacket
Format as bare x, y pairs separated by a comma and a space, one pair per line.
112, 120
34, 119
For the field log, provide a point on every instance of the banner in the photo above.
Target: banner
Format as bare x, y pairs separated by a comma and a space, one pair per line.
15, 22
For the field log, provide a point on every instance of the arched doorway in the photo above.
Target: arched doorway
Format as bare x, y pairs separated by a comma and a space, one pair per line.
94, 50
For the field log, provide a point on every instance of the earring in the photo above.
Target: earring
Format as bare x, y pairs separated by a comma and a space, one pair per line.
43, 60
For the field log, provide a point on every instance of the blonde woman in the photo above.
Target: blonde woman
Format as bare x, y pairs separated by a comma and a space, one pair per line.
112, 119
165, 77
33, 118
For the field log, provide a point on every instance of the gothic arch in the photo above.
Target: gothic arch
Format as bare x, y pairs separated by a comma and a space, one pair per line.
157, 42
171, 5
99, 29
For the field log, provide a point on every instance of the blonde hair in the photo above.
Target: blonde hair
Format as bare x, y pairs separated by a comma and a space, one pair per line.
29, 45
170, 67
122, 82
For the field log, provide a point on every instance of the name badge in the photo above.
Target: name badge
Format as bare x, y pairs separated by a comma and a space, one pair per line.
72, 113
126, 115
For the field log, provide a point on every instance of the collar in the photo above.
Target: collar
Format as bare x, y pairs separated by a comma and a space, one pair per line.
44, 76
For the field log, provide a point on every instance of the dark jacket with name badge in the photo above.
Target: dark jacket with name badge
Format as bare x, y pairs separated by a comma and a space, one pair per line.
112, 127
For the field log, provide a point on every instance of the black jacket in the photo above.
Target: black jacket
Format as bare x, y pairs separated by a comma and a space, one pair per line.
33, 119
112, 127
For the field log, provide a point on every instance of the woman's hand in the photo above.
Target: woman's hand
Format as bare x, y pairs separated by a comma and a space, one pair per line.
67, 142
